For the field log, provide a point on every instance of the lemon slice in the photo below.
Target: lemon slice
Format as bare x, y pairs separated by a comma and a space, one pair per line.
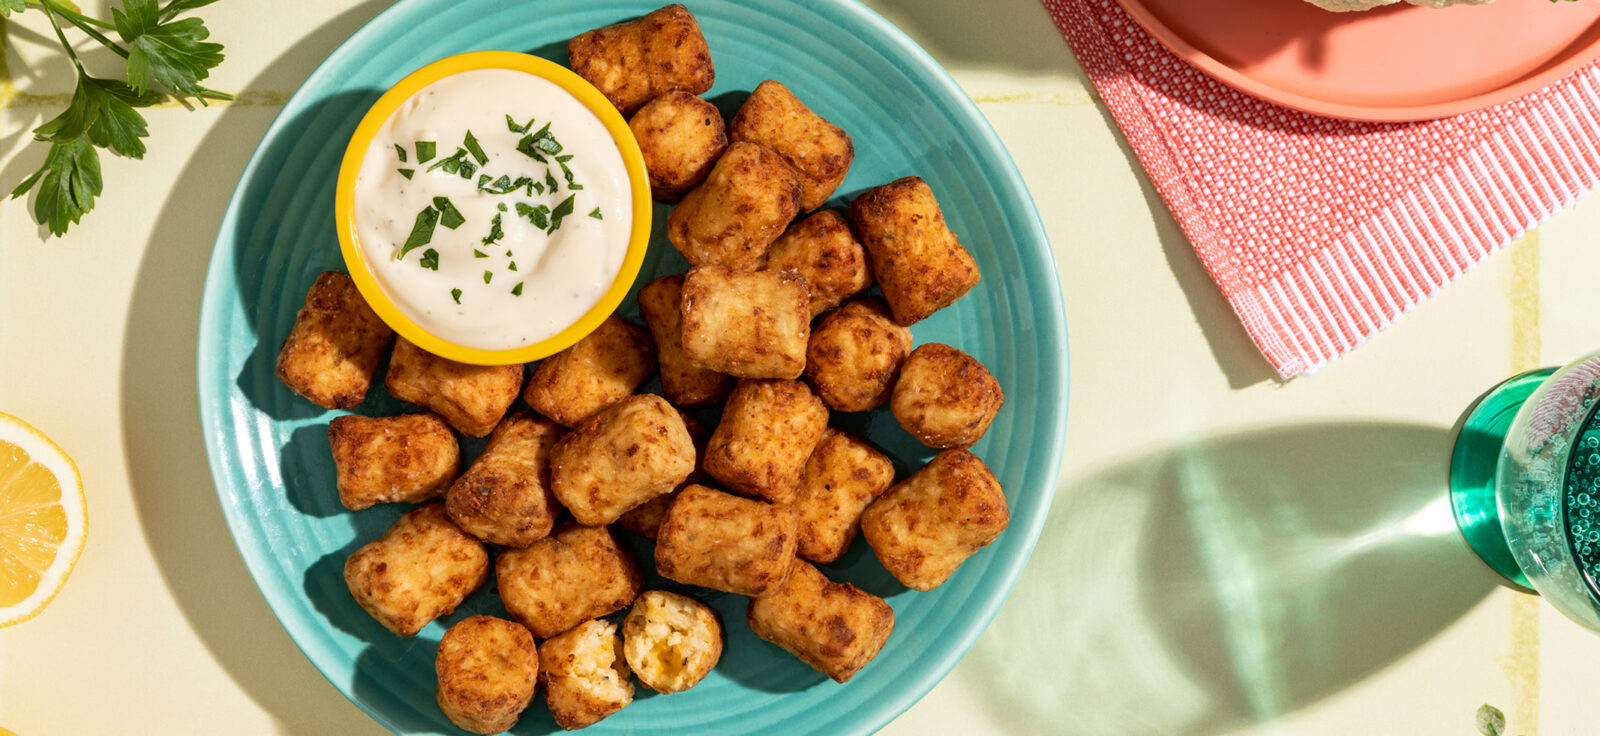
43, 520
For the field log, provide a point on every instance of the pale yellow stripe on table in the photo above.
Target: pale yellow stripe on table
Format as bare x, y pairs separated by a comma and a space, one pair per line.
56, 103
1522, 667
1034, 98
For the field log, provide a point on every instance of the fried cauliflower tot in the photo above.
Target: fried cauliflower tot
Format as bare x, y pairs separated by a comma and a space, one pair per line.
920, 264
821, 248
620, 458
855, 354
751, 325
927, 525
631, 63
681, 136
418, 570
683, 382
558, 582
721, 541
645, 519
410, 458
487, 668
335, 346
836, 628
605, 367
743, 205
944, 397
842, 476
585, 675
671, 641
768, 429
472, 398
818, 149
505, 498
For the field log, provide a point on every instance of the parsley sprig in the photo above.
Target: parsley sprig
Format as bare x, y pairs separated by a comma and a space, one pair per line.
165, 56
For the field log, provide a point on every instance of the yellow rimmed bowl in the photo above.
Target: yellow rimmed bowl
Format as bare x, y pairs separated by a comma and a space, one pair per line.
355, 257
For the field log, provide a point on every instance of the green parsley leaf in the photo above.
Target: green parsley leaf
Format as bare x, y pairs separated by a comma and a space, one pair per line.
550, 181
528, 147
595, 213
400, 151
483, 180
517, 290
539, 216
564, 159
561, 210
495, 233
426, 150
500, 206
430, 259
487, 275
513, 127
476, 150
69, 180
173, 52
538, 187
421, 231
546, 142
479, 254
407, 172
571, 185
7, 7
449, 216
508, 254
456, 295
512, 267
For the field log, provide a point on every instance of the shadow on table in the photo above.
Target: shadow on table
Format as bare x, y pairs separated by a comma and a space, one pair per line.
171, 485
1212, 586
1015, 36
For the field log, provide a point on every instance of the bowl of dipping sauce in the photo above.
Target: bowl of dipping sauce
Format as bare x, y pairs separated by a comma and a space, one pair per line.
493, 208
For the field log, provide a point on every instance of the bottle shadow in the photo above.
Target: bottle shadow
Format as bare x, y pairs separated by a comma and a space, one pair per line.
1221, 584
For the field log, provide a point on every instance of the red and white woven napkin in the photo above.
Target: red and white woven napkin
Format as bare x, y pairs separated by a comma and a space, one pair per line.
1321, 232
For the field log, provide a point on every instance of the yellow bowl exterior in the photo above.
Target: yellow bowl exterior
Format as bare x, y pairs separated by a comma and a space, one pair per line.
350, 169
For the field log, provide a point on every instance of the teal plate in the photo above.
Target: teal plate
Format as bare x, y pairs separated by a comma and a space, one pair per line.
268, 448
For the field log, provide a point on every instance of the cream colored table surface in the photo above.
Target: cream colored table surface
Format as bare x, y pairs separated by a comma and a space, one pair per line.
1226, 553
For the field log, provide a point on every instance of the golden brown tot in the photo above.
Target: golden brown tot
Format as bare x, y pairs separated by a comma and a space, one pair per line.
410, 458
944, 397
487, 668
916, 259
768, 430
585, 675
775, 118
558, 582
855, 354
631, 63
620, 458
601, 369
504, 498
744, 204
721, 541
334, 348
684, 383
472, 398
751, 325
418, 570
681, 137
927, 525
836, 628
843, 475
821, 248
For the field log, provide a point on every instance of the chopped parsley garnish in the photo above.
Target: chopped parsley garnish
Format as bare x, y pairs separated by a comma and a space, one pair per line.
487, 276
449, 216
595, 213
550, 181
500, 206
456, 295
561, 210
504, 185
400, 151
476, 150
539, 216
572, 186
513, 127
479, 254
517, 290
407, 172
421, 231
430, 259
508, 254
457, 163
512, 267
495, 233
538, 187
425, 151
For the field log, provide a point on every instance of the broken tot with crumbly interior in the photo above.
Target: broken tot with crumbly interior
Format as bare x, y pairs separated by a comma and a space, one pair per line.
671, 641
585, 675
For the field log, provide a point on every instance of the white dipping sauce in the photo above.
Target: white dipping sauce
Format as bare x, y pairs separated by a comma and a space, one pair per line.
562, 273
